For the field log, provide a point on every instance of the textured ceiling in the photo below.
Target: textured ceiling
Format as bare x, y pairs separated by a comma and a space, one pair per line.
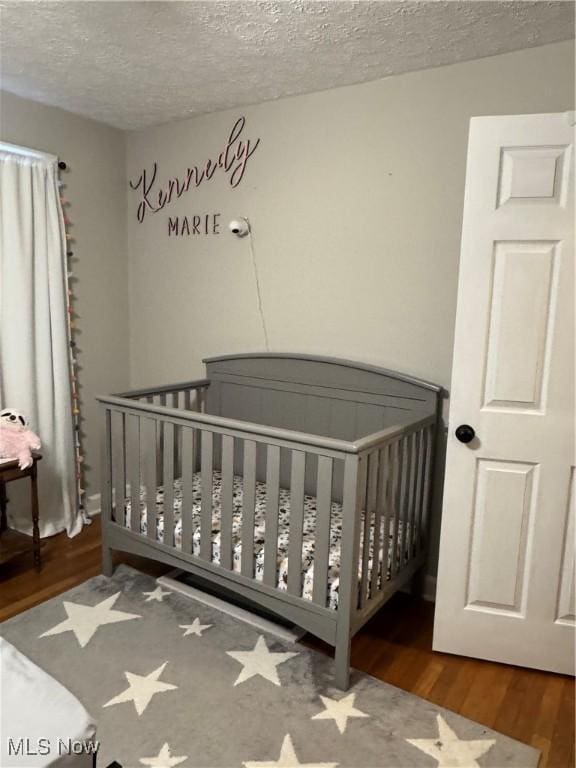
135, 64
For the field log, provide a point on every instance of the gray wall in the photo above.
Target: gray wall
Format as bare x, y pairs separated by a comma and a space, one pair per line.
355, 197
96, 189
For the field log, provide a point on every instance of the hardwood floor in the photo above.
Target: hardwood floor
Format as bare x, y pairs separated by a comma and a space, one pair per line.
534, 707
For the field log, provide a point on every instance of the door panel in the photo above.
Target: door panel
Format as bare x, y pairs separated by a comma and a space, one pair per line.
500, 528
532, 175
519, 318
505, 580
566, 599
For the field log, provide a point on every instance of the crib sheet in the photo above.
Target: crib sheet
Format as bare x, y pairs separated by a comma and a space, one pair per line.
308, 537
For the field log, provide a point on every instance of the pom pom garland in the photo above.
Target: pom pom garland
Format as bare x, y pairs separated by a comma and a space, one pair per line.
73, 360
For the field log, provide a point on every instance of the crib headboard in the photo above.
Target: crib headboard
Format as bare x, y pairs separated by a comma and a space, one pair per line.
319, 395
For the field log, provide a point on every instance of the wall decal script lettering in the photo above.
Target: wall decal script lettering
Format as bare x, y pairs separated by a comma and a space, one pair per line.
232, 161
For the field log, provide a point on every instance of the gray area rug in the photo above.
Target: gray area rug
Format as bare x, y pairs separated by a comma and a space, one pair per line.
173, 682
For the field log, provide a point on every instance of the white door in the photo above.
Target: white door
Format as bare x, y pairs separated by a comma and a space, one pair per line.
506, 576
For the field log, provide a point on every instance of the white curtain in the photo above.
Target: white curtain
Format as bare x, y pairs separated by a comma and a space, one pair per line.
34, 351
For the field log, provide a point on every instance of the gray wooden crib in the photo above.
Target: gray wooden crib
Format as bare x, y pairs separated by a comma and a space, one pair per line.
301, 483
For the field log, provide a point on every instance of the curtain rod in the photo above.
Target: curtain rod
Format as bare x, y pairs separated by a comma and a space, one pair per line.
27, 151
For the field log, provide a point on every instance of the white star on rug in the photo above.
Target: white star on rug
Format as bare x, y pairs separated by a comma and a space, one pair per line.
84, 620
163, 759
287, 759
157, 594
195, 628
141, 688
339, 710
451, 752
260, 661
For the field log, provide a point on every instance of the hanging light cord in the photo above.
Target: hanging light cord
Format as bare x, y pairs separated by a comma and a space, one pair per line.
258, 291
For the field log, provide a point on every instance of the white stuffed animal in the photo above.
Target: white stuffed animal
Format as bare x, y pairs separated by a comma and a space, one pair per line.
16, 440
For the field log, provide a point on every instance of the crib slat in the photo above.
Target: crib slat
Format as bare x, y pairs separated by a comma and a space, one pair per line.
168, 482
396, 489
297, 474
271, 530
188, 463
160, 436
148, 438
133, 469
322, 542
409, 456
173, 400
419, 491
361, 489
429, 468
378, 504
370, 501
119, 466
407, 529
420, 508
187, 400
363, 528
404, 493
207, 461
106, 460
388, 506
248, 504
226, 501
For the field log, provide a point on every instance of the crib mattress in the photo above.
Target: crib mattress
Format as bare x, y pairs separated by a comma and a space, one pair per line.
308, 536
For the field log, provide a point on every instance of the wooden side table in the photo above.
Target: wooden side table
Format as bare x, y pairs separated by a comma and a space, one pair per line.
9, 470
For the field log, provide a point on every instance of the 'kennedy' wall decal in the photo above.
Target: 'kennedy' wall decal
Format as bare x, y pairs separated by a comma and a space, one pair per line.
232, 161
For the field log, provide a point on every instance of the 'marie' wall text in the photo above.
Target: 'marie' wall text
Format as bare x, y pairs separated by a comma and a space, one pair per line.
183, 226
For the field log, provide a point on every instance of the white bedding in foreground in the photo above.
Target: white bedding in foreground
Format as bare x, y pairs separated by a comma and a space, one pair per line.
38, 715
259, 531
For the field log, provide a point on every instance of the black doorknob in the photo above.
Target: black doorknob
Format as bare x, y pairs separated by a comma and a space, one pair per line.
465, 433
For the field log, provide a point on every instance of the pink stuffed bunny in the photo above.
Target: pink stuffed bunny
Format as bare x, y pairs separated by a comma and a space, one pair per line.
16, 440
